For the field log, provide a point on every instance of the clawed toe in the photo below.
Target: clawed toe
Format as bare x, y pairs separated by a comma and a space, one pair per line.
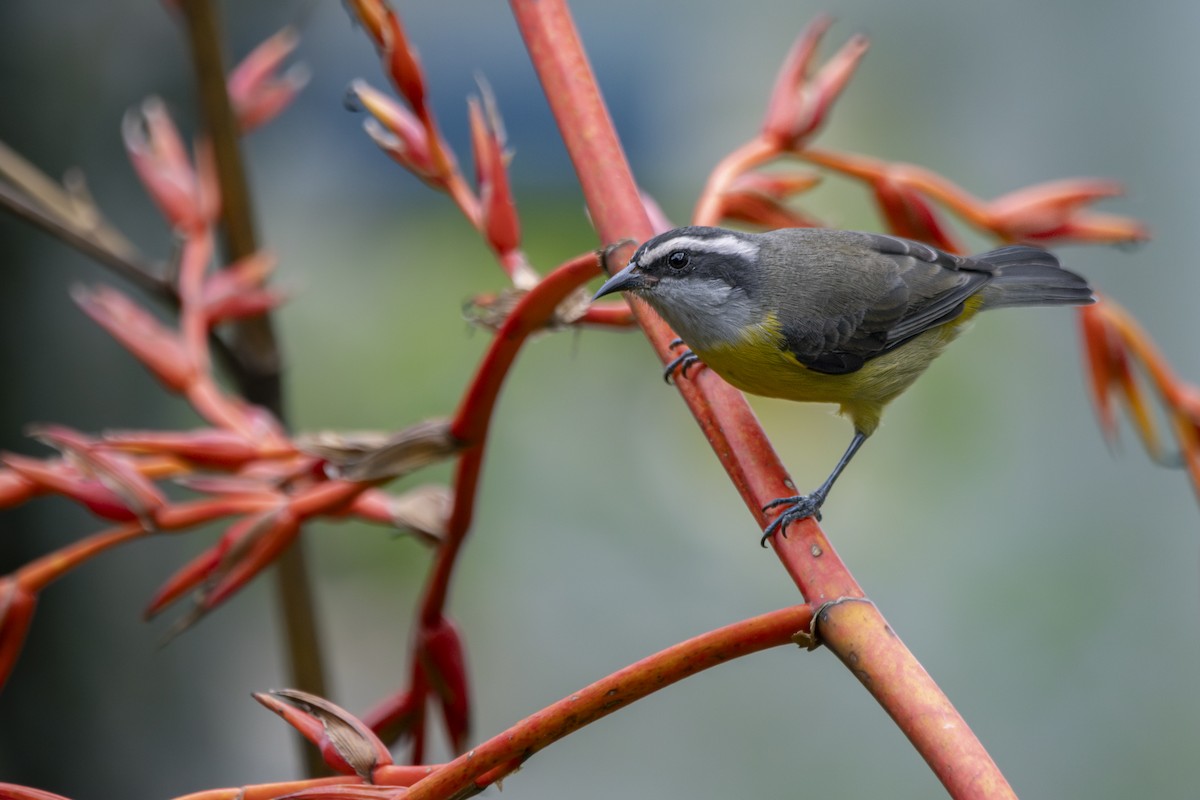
798, 508
683, 362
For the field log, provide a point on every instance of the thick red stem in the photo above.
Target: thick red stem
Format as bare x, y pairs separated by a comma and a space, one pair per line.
502, 754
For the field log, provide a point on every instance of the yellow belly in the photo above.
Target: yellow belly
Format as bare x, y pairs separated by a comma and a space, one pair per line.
756, 364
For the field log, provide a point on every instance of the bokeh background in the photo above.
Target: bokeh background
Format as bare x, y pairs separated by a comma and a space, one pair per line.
1049, 583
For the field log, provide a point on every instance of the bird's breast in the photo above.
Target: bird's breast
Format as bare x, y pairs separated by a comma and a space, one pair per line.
759, 362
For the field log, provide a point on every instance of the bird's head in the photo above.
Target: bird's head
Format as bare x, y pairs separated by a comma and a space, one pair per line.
705, 282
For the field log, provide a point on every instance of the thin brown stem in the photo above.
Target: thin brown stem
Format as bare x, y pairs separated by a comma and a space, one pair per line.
129, 267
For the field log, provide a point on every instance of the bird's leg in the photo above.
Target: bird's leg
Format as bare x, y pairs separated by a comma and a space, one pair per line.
809, 505
682, 362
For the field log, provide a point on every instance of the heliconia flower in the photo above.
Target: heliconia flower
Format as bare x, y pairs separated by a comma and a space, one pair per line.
397, 132
759, 199
15, 489
501, 227
759, 208
372, 15
244, 275
399, 56
441, 655
226, 411
799, 103
239, 290
347, 745
247, 546
400, 60
779, 185
16, 612
263, 541
245, 305
909, 214
158, 348
113, 470
257, 90
209, 447
62, 478
1110, 370
193, 574
186, 195
1057, 210
10, 791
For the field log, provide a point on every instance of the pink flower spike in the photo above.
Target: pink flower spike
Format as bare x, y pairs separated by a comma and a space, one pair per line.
371, 14
16, 612
761, 209
194, 263
778, 185
501, 226
158, 348
14, 489
10, 791
244, 275
242, 306
347, 745
263, 542
156, 150
1058, 210
62, 478
799, 104
401, 62
195, 572
396, 131
208, 447
115, 471
909, 214
257, 88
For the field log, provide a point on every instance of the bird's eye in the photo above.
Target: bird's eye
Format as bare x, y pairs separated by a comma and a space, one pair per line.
678, 259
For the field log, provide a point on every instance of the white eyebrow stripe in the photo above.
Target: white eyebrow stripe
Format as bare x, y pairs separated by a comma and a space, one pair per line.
721, 245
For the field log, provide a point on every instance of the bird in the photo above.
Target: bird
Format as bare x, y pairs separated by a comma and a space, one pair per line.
829, 316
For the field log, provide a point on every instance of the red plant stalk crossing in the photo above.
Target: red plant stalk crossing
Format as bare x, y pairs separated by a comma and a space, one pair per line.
879, 658
272, 486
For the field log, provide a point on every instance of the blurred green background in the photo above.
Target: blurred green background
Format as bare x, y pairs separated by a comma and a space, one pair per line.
1049, 584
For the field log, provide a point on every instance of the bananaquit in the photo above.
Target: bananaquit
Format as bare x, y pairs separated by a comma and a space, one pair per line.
829, 316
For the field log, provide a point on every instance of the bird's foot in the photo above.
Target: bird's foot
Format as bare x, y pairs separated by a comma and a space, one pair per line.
683, 362
799, 507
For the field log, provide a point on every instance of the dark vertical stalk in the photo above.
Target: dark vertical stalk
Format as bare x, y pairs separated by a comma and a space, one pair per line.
256, 362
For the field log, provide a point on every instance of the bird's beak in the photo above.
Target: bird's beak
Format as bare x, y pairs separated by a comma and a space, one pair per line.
627, 280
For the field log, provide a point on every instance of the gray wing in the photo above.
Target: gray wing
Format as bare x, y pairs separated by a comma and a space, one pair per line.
874, 293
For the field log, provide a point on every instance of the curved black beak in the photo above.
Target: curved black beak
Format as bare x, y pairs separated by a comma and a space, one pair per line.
629, 279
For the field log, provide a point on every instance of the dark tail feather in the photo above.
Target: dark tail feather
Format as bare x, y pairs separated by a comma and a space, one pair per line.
1031, 276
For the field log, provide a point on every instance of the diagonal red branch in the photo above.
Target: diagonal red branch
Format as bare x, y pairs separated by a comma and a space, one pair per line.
880, 660
500, 755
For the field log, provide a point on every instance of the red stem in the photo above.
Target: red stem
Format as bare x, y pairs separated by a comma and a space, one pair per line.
35, 575
879, 658
503, 753
474, 414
